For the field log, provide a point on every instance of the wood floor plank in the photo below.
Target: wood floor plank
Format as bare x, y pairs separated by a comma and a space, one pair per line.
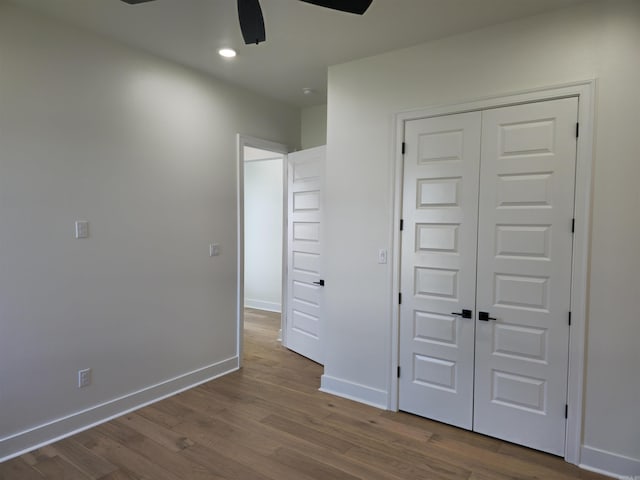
154, 452
156, 414
548, 461
268, 421
214, 431
310, 434
266, 439
122, 474
158, 433
254, 451
38, 455
408, 468
434, 427
18, 469
357, 433
203, 403
56, 467
222, 465
483, 461
123, 457
372, 430
313, 468
94, 466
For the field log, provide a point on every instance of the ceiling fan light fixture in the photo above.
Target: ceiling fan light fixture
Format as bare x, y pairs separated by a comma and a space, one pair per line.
227, 52
252, 21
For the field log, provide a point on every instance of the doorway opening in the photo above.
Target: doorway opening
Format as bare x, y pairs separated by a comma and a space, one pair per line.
261, 227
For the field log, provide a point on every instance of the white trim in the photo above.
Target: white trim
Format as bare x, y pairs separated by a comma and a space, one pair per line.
580, 271
284, 301
609, 463
255, 160
516, 98
397, 179
241, 142
263, 305
585, 91
353, 391
36, 437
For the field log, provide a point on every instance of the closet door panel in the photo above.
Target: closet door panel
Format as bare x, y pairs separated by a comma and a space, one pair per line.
524, 272
441, 175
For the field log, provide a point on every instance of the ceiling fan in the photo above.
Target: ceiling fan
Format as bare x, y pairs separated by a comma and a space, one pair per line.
252, 21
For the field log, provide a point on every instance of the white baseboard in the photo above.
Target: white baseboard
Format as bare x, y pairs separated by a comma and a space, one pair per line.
262, 305
354, 391
609, 463
60, 428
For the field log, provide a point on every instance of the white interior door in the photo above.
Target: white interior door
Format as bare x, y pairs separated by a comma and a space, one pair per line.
510, 192
524, 272
304, 311
440, 216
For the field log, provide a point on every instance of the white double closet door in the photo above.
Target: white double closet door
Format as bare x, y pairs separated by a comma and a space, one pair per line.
488, 201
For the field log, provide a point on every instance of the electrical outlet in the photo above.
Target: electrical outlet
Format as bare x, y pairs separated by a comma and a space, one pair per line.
84, 378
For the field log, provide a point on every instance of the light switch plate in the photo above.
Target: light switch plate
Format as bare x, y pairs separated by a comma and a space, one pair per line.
82, 229
382, 255
214, 249
84, 378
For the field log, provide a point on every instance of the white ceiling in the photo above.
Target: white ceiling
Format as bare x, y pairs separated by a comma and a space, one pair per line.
302, 39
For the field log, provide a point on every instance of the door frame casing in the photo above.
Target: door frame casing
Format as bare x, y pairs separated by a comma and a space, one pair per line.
585, 92
279, 148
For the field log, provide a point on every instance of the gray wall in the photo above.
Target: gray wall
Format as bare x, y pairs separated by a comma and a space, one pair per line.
146, 152
314, 126
263, 213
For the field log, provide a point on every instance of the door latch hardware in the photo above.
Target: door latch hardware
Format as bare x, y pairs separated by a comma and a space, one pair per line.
484, 317
464, 314
320, 282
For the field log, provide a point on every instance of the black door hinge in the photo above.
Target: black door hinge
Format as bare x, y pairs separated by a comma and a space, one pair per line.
401, 224
398, 371
404, 148
577, 130
569, 318
400, 298
573, 225
566, 411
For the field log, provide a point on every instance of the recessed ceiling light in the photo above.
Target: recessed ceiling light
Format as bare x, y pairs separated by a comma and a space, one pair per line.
227, 52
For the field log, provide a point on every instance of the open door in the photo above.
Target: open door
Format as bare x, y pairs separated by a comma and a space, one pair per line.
304, 304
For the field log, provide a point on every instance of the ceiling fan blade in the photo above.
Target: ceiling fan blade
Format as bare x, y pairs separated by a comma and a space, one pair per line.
251, 21
351, 6
135, 2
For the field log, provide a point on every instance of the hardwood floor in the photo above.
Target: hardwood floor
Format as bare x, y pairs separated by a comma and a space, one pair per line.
269, 421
